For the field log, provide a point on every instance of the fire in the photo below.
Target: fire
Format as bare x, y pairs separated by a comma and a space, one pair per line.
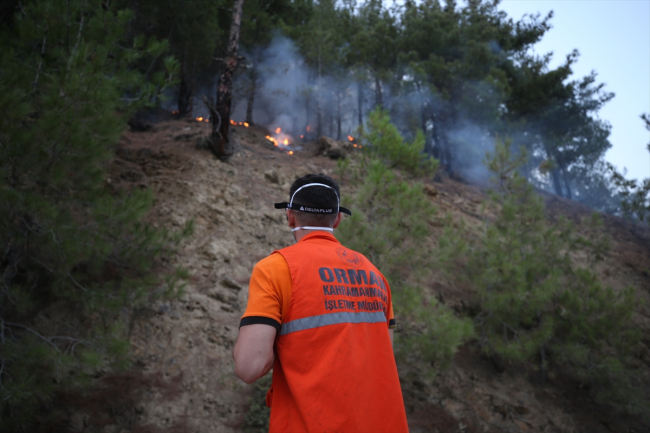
232, 122
282, 140
351, 138
199, 119
272, 140
302, 136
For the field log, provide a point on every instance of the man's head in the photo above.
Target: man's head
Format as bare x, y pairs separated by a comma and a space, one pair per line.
315, 197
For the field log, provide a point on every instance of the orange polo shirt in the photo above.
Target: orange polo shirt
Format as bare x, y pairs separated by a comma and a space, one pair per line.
334, 369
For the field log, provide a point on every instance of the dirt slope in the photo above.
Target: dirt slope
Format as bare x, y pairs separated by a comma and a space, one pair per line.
182, 380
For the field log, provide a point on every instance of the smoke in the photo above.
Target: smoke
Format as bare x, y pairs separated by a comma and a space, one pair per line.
289, 94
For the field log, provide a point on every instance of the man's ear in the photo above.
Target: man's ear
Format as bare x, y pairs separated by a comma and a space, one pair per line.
291, 218
339, 217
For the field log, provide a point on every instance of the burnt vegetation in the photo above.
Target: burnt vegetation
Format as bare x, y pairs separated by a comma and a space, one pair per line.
422, 90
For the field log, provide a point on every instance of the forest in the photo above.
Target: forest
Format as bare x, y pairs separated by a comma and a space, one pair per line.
461, 74
432, 89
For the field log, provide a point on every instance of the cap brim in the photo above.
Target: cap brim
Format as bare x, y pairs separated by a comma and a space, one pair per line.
285, 205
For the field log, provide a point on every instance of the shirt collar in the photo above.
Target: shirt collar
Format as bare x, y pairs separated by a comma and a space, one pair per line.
319, 235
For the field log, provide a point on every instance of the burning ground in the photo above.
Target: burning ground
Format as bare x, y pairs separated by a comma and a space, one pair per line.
182, 379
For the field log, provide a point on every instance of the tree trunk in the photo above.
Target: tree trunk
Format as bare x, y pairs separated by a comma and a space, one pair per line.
360, 102
319, 118
251, 93
220, 142
338, 116
442, 149
319, 109
565, 178
555, 175
308, 128
379, 97
555, 171
185, 91
426, 117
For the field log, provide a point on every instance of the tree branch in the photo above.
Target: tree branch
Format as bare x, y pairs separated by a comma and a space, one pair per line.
40, 63
38, 334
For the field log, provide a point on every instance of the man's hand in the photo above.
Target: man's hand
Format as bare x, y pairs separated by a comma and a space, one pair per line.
253, 352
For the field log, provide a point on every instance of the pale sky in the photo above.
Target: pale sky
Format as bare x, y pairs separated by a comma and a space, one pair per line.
613, 38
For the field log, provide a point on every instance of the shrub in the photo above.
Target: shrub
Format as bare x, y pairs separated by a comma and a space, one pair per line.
382, 141
538, 302
390, 226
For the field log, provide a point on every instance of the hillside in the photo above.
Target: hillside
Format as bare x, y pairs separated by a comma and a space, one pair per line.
182, 380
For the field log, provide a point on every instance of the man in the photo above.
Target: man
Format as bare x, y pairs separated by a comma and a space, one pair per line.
319, 314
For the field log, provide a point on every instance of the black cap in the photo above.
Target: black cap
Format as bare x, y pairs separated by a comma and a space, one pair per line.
316, 198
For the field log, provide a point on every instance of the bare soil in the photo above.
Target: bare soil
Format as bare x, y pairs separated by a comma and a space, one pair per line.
182, 377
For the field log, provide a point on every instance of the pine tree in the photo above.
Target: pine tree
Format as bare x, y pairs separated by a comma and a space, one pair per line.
634, 194
195, 32
538, 303
66, 84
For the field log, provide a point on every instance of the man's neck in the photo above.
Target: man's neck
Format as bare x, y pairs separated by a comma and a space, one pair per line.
299, 234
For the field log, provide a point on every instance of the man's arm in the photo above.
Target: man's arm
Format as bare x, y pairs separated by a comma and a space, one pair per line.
390, 334
253, 351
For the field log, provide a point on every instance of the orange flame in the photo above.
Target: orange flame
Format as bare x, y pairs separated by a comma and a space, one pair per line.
272, 140
351, 138
199, 119
246, 124
282, 140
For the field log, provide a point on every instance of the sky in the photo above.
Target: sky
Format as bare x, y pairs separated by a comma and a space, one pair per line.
613, 38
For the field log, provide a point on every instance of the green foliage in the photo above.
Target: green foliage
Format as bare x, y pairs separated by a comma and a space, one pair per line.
75, 254
634, 195
192, 31
382, 141
431, 331
540, 299
258, 415
390, 226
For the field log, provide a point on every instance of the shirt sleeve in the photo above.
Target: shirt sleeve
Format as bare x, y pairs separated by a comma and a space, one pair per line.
269, 292
391, 315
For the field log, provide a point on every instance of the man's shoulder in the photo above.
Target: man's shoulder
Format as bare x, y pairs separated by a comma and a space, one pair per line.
272, 263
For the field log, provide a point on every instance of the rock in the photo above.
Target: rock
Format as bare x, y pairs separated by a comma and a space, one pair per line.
226, 298
431, 190
272, 176
333, 148
230, 283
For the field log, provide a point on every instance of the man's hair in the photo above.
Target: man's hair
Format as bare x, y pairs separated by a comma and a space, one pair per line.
315, 197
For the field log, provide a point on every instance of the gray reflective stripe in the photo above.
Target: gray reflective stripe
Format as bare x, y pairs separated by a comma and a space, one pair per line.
331, 319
